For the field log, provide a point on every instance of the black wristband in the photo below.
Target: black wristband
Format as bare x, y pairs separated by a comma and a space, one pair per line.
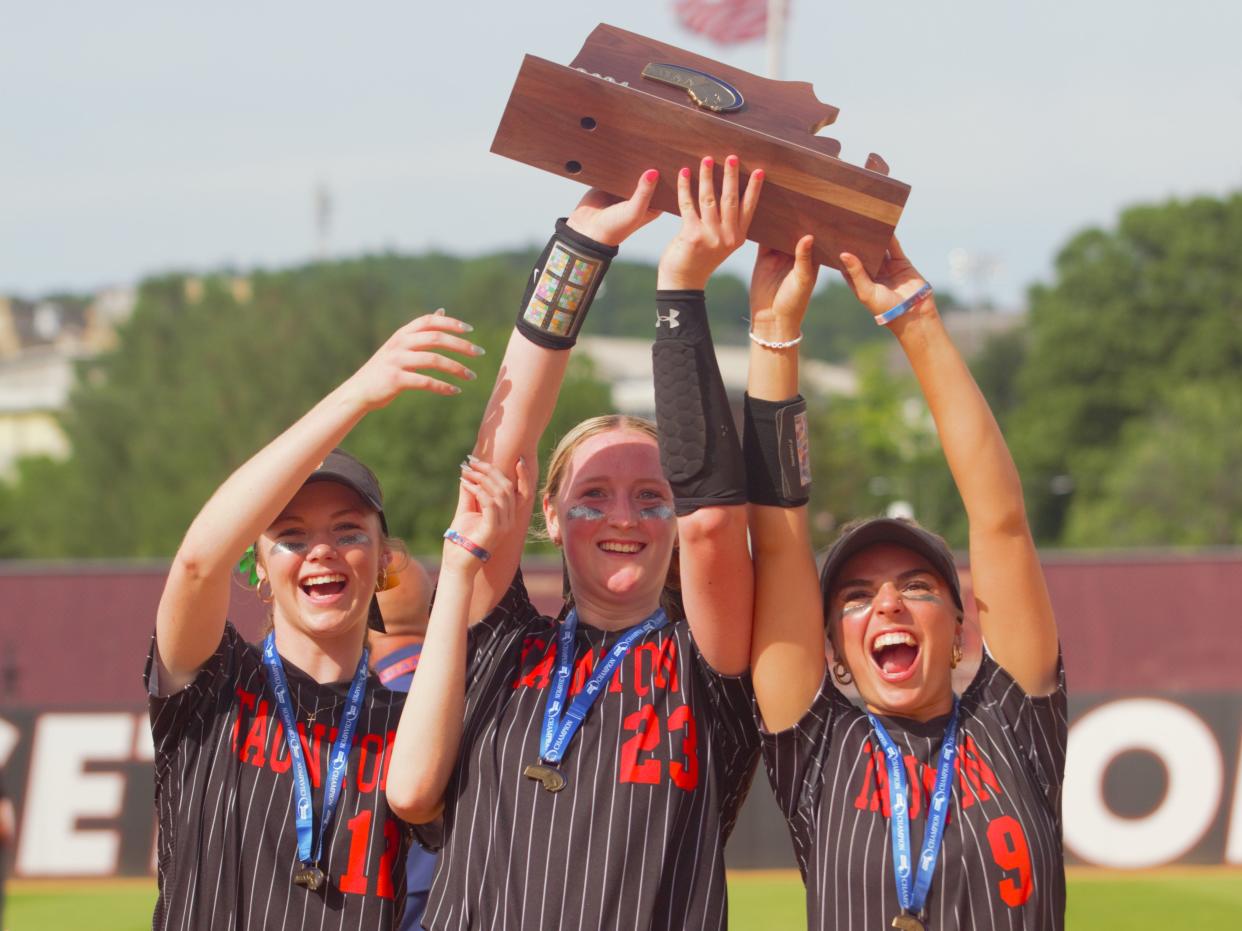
561, 287
699, 447
776, 444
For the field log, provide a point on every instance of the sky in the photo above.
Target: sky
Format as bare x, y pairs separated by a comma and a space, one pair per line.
141, 137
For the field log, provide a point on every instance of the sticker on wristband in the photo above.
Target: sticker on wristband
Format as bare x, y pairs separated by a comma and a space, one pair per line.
536, 312
582, 273
802, 443
557, 261
560, 324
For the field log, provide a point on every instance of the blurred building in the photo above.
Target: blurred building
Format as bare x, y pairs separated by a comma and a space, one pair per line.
626, 365
40, 341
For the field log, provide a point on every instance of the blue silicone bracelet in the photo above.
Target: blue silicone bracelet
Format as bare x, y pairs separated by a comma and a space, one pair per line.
467, 544
908, 304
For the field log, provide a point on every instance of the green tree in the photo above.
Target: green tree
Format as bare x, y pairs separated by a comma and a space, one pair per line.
197, 386
1174, 478
878, 448
1133, 315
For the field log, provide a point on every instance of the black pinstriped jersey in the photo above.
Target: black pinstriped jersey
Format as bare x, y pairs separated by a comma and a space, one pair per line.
1001, 863
227, 846
655, 778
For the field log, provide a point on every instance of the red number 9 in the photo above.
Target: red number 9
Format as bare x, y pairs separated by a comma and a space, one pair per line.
1010, 852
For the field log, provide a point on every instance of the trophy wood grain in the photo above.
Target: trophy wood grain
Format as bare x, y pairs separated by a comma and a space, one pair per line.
604, 134
787, 109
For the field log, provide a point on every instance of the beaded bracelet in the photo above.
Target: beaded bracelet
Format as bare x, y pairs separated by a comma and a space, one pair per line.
908, 304
467, 544
775, 343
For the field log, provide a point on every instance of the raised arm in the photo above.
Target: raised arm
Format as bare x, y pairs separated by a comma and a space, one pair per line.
534, 365
787, 653
1015, 612
193, 606
699, 447
429, 732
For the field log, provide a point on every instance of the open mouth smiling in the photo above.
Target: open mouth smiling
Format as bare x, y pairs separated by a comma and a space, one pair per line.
323, 586
895, 654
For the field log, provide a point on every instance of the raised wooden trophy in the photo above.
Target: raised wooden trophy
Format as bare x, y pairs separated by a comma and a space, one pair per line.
627, 103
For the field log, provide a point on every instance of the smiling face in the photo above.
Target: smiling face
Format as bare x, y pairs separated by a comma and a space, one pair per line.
322, 556
893, 623
613, 517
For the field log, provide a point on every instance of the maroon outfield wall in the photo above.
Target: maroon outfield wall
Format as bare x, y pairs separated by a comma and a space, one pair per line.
1151, 644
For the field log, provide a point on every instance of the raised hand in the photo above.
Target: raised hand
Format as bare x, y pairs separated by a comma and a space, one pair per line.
780, 289
712, 229
487, 507
609, 219
398, 365
895, 281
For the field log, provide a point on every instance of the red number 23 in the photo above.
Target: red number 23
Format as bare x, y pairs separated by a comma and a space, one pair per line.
646, 724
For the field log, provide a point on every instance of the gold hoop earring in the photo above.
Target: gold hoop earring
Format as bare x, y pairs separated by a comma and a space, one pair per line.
841, 674
258, 590
956, 657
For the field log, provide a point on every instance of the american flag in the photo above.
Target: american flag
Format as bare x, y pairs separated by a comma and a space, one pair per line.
724, 21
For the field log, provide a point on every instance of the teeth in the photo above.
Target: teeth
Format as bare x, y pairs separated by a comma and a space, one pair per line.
621, 547
893, 639
324, 579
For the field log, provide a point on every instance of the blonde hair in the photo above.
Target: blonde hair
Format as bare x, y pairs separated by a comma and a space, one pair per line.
558, 467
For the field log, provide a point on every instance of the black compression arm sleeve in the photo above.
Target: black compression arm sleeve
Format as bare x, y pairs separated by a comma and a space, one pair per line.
699, 446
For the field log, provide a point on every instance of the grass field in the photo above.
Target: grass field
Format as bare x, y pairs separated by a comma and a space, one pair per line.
1165, 900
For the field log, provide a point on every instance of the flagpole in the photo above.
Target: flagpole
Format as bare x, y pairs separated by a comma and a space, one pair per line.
776, 37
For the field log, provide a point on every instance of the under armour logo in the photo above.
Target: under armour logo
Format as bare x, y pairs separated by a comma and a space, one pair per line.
671, 319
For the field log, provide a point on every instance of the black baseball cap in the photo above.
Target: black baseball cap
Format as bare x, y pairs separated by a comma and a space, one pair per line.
906, 533
340, 467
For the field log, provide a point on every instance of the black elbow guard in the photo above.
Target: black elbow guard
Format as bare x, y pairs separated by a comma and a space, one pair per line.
699, 448
561, 287
777, 448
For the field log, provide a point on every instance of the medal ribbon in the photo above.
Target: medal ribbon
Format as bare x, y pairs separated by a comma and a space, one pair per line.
338, 762
912, 890
560, 723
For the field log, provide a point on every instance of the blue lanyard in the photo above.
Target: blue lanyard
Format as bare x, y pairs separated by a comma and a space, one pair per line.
560, 723
912, 895
303, 814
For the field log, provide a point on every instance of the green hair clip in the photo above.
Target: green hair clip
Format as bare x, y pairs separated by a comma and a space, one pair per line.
248, 566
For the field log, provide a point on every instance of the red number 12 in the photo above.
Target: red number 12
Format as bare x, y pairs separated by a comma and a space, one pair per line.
355, 878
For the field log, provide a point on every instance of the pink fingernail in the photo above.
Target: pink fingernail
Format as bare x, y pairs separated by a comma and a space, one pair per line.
731, 161
708, 162
758, 174
650, 175
685, 172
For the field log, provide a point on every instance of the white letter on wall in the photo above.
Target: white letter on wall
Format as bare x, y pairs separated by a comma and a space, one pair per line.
60, 793
1191, 758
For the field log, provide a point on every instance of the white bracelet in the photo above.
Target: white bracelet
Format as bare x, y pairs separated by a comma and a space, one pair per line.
775, 343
